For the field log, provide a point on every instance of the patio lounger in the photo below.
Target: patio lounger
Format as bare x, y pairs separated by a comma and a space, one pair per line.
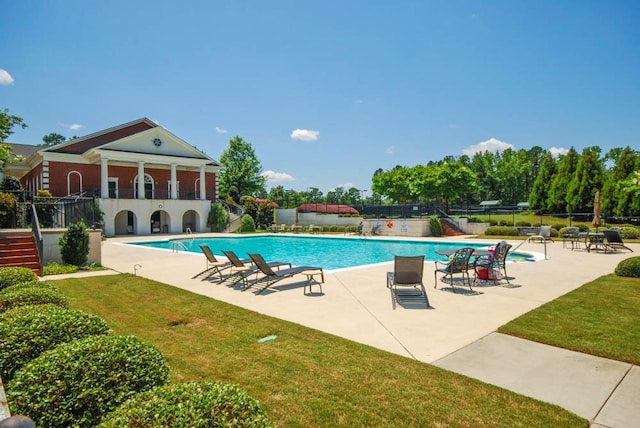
214, 266
614, 240
407, 272
271, 277
243, 268
543, 235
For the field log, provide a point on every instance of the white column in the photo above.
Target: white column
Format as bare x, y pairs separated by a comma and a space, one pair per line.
203, 187
140, 180
174, 182
104, 178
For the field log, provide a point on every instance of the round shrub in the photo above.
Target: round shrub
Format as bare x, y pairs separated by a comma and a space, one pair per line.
27, 331
247, 224
31, 296
501, 231
79, 382
194, 404
558, 226
523, 224
14, 275
629, 267
350, 229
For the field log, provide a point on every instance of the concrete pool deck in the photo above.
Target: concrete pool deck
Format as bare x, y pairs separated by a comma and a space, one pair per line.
458, 333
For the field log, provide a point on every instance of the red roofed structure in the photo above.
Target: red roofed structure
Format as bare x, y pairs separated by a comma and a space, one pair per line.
327, 209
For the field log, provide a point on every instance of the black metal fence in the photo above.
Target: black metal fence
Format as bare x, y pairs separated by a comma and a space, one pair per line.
55, 213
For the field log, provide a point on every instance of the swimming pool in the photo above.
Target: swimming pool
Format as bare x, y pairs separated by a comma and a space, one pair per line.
328, 252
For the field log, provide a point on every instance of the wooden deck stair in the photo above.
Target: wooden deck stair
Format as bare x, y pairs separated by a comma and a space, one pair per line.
19, 249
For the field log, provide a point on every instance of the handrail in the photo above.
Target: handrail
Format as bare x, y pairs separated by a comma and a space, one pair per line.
177, 245
37, 234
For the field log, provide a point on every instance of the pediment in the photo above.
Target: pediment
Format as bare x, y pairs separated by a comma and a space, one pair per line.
155, 141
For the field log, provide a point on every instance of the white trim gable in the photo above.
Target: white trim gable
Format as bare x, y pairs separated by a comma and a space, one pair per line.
156, 141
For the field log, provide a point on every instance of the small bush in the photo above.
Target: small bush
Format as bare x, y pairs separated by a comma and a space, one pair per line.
629, 267
14, 275
79, 382
475, 220
194, 404
351, 229
27, 331
435, 226
60, 268
558, 226
74, 244
32, 296
247, 224
333, 228
554, 233
523, 224
501, 231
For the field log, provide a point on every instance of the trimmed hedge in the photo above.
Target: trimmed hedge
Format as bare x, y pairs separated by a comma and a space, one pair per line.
629, 267
501, 231
14, 275
247, 224
194, 404
29, 285
27, 331
31, 296
630, 232
79, 382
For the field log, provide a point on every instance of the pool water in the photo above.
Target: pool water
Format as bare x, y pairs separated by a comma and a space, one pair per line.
327, 252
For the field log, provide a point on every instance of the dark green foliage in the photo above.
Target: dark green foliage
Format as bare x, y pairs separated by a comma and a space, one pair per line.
629, 267
79, 382
27, 331
31, 296
45, 207
74, 244
501, 231
247, 224
195, 404
217, 218
14, 275
523, 224
7, 209
10, 184
435, 226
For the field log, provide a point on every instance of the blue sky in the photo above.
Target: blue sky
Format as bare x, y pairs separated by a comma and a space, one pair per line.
329, 91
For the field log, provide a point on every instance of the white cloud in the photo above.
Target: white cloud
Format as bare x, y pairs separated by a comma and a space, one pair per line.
277, 177
221, 130
305, 135
5, 78
389, 150
558, 151
345, 186
72, 127
491, 145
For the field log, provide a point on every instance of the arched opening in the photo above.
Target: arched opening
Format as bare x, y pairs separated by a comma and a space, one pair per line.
190, 220
125, 223
74, 183
149, 189
160, 221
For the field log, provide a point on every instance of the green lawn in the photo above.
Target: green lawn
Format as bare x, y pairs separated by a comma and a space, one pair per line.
600, 318
304, 377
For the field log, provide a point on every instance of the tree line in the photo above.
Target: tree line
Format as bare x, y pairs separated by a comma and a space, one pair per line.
549, 183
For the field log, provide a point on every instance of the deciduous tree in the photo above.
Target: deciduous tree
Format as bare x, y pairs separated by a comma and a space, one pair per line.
242, 169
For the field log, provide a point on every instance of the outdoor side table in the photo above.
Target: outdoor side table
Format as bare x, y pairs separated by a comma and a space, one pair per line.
311, 279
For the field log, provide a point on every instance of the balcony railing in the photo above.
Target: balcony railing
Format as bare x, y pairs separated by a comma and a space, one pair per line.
131, 193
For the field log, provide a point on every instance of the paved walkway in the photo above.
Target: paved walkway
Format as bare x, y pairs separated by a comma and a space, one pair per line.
458, 333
